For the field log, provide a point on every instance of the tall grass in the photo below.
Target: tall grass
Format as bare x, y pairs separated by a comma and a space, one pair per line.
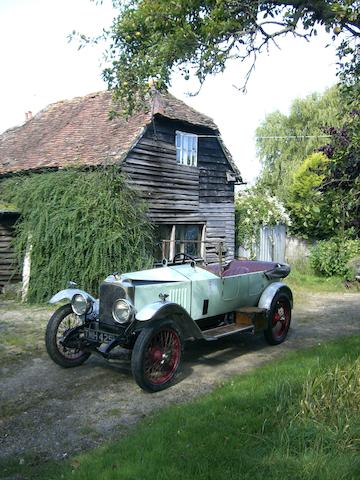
303, 280
331, 401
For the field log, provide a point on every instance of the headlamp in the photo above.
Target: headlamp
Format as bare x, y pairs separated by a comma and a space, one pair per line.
121, 311
80, 304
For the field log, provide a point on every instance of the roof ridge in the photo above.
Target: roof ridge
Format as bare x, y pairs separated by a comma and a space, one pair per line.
79, 131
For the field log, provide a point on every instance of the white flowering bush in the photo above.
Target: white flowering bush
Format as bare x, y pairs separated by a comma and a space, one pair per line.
254, 209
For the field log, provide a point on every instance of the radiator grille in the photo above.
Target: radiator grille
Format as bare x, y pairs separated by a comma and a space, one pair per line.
109, 292
179, 296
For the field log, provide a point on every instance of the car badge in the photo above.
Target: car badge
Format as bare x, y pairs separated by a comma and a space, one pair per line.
163, 296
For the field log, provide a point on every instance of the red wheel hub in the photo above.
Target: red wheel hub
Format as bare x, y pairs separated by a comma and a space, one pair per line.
281, 319
156, 354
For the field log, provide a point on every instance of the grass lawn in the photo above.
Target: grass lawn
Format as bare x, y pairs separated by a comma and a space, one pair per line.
298, 280
303, 282
298, 418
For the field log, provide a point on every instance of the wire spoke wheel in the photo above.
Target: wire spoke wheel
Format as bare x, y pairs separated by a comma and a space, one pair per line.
162, 357
156, 357
60, 324
69, 322
279, 320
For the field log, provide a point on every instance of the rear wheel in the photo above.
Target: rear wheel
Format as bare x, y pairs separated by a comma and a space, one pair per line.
61, 322
156, 356
279, 320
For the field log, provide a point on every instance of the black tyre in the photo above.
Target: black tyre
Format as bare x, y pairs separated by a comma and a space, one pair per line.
156, 356
61, 321
278, 320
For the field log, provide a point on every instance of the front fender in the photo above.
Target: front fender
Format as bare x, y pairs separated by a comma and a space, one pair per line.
159, 310
68, 294
269, 293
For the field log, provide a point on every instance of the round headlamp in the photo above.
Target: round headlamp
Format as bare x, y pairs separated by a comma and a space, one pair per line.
80, 304
121, 311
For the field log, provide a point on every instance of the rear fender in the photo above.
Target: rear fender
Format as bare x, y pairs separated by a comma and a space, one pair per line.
271, 291
159, 310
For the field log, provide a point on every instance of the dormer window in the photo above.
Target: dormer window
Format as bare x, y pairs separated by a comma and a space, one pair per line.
186, 149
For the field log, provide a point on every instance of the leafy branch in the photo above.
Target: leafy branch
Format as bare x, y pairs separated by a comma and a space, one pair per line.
149, 39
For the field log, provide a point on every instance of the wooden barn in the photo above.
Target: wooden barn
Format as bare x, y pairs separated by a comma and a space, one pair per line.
171, 153
9, 270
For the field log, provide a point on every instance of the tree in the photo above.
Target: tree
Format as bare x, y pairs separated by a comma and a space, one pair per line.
150, 38
314, 213
343, 176
320, 190
284, 141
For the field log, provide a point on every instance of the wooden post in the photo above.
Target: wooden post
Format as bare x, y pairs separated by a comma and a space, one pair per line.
203, 243
26, 271
172, 243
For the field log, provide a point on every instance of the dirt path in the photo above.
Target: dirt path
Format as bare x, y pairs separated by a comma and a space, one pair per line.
49, 412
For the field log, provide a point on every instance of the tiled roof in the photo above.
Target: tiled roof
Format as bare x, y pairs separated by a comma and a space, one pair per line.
79, 132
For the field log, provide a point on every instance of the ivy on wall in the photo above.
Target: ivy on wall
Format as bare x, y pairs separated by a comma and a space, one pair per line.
83, 225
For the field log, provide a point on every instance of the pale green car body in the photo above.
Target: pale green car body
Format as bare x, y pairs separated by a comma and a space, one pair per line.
188, 286
152, 312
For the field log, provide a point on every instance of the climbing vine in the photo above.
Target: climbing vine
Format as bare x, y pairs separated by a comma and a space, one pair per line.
83, 225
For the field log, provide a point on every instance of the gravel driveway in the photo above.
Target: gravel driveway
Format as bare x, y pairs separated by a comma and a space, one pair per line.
50, 412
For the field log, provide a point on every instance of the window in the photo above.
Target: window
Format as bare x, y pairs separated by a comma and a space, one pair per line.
173, 239
162, 249
187, 239
186, 149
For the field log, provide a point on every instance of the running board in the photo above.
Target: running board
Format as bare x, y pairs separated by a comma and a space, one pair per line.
224, 330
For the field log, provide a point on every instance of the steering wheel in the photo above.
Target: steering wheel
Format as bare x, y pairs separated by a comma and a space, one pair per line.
185, 256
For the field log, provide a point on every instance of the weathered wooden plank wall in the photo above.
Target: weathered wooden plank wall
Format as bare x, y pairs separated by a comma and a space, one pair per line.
9, 271
180, 193
220, 226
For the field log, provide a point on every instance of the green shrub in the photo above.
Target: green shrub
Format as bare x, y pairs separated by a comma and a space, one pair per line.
331, 257
83, 225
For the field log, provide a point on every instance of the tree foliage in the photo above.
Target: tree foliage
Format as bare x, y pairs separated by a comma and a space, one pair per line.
284, 141
321, 191
313, 213
343, 176
82, 225
149, 38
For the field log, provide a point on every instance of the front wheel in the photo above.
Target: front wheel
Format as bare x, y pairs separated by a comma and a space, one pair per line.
279, 320
156, 356
61, 322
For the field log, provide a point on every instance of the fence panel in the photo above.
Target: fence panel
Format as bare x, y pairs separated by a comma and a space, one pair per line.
271, 245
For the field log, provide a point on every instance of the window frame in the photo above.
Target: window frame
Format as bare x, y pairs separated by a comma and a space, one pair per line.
186, 145
172, 240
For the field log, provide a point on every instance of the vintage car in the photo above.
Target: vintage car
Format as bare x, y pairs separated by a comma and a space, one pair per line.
153, 312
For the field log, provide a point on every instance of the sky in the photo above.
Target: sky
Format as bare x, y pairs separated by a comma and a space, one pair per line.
40, 66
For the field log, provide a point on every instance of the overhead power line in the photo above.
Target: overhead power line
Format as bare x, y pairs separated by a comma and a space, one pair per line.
295, 136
